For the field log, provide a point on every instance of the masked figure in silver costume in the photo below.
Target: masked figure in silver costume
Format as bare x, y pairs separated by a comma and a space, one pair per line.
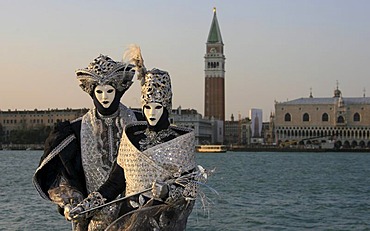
156, 158
79, 155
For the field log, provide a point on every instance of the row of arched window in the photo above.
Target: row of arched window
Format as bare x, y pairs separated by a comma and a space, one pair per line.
345, 144
213, 64
324, 118
323, 133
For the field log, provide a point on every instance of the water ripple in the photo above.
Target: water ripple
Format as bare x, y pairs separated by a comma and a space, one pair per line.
257, 191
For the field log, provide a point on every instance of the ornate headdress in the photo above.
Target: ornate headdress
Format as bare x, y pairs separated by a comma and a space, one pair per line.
155, 84
156, 88
103, 71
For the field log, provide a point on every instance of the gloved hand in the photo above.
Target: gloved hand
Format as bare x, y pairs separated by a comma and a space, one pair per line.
93, 200
160, 190
67, 209
64, 195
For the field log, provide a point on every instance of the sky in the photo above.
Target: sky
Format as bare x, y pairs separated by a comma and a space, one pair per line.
276, 50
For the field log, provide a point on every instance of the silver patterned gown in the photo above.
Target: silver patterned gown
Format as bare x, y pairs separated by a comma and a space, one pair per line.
99, 150
162, 162
96, 153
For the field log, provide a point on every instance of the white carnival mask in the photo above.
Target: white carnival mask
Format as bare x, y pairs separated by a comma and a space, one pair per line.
153, 112
105, 94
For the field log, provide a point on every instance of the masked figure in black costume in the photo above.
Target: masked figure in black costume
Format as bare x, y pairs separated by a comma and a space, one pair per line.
156, 158
79, 155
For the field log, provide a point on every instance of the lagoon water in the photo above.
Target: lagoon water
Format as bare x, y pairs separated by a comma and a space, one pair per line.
257, 191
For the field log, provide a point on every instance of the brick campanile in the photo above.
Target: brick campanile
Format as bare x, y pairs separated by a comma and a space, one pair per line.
214, 92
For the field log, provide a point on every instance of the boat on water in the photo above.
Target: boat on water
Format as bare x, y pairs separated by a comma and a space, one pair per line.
211, 148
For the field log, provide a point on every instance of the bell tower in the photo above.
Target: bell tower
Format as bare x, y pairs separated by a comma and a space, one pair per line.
214, 98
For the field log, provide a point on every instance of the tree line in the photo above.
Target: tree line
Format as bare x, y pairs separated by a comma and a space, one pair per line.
36, 135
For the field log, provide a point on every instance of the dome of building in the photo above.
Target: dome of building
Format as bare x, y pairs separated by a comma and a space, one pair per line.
337, 93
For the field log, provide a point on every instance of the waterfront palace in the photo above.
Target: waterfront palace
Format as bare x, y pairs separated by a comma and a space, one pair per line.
320, 122
205, 129
29, 119
342, 121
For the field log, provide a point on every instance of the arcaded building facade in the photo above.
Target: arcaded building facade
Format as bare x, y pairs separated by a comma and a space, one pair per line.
342, 121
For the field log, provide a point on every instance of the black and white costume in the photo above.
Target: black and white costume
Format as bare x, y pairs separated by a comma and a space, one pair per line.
80, 155
158, 159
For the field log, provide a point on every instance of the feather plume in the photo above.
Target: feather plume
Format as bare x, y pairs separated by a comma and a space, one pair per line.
133, 56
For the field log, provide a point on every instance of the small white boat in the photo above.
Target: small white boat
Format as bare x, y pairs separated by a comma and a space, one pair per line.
211, 148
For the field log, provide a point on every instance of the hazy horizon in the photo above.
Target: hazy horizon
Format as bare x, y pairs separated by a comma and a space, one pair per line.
275, 50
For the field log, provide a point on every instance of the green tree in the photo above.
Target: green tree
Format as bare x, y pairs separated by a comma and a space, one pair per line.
29, 136
1, 134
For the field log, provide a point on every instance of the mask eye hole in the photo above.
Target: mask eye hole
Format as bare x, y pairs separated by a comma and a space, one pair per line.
99, 91
110, 91
147, 107
158, 107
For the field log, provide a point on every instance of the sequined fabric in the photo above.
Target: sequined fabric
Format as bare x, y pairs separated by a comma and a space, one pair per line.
154, 138
168, 160
156, 87
103, 70
161, 162
100, 139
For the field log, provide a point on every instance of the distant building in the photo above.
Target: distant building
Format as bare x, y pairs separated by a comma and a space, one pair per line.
218, 127
256, 122
344, 121
232, 131
256, 125
18, 120
206, 131
268, 131
214, 92
237, 132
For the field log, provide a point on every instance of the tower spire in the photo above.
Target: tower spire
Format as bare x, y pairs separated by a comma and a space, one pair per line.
214, 35
214, 97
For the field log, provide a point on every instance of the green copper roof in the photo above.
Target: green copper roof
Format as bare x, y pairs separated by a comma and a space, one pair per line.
214, 35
